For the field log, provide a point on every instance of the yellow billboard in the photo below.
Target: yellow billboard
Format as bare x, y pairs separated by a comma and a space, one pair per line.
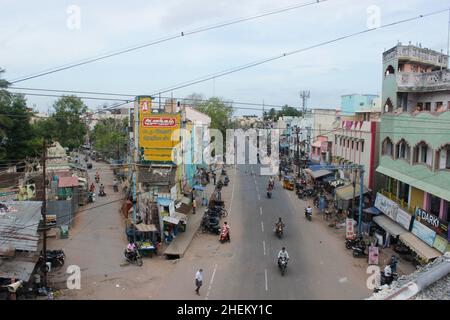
155, 132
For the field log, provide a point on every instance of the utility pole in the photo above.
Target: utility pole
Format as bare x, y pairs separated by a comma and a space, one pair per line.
354, 191
361, 195
44, 211
304, 95
297, 154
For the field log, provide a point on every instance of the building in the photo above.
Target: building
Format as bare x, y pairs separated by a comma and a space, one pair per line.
324, 125
415, 144
356, 141
288, 133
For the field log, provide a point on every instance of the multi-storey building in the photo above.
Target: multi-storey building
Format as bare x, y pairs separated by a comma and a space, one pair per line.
356, 140
325, 122
415, 144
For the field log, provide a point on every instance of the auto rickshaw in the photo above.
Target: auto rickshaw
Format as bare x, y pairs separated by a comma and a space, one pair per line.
288, 183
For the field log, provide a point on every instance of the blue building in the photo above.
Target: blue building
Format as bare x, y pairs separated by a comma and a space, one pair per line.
353, 103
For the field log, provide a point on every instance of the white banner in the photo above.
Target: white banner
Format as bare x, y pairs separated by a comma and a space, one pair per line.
403, 218
387, 206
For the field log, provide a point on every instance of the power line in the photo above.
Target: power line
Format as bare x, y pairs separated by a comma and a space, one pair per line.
283, 55
161, 40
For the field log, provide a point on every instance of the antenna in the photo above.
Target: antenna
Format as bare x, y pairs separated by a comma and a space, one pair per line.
304, 95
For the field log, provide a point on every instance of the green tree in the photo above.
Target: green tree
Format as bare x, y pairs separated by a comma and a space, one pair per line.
219, 111
110, 137
68, 127
288, 111
17, 137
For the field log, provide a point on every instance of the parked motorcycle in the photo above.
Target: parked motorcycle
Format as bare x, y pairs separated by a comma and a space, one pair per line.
355, 242
387, 279
55, 257
282, 265
359, 251
226, 181
210, 225
133, 257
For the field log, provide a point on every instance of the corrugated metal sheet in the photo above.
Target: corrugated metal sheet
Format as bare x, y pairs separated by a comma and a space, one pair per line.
67, 182
18, 226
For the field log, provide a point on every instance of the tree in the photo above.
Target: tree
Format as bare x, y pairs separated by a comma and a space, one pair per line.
219, 111
193, 100
17, 137
288, 111
110, 137
67, 125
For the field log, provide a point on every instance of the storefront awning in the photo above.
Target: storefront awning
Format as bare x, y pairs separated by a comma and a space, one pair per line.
320, 173
421, 248
172, 220
389, 225
346, 192
142, 227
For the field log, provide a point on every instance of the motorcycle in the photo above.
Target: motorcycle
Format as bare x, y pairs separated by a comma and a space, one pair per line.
97, 179
308, 215
211, 225
359, 251
225, 235
269, 193
133, 257
387, 279
355, 242
102, 193
56, 258
91, 197
279, 231
116, 188
282, 265
226, 181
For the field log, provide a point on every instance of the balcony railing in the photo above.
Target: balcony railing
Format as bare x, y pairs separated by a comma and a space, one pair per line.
428, 81
419, 54
402, 203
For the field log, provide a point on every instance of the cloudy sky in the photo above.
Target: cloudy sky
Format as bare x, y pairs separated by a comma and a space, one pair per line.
38, 35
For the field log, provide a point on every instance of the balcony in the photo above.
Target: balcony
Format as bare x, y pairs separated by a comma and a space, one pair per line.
413, 53
424, 82
401, 203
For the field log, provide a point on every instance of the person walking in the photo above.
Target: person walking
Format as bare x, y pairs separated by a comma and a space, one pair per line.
393, 264
198, 280
194, 205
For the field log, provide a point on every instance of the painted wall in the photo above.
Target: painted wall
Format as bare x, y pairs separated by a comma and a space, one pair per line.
356, 102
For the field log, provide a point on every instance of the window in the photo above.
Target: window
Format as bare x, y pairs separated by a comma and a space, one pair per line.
422, 154
353, 144
335, 139
348, 143
357, 145
389, 70
447, 162
427, 106
387, 147
362, 146
419, 106
402, 150
403, 192
443, 157
340, 141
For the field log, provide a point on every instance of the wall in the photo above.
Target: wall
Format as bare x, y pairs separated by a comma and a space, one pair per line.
433, 97
416, 199
356, 102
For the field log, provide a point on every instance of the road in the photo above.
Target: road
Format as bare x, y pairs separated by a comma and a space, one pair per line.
319, 267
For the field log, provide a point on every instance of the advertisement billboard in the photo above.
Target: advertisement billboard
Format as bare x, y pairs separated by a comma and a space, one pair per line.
387, 206
423, 233
155, 132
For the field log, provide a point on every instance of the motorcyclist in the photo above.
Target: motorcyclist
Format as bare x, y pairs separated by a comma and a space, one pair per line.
283, 254
92, 188
271, 182
279, 223
131, 250
226, 230
102, 189
308, 210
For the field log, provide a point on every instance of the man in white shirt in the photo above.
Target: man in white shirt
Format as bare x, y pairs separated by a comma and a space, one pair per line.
198, 280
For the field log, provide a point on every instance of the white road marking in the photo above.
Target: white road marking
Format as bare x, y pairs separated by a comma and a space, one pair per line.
262, 226
259, 197
211, 282
232, 192
264, 247
265, 274
260, 210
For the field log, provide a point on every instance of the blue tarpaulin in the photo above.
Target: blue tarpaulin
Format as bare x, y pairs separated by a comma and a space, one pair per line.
164, 201
198, 187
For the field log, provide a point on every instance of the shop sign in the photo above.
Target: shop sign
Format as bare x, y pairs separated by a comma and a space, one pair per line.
387, 206
404, 219
349, 229
423, 233
440, 244
432, 221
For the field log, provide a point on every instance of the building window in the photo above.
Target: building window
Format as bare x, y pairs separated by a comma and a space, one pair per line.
427, 106
402, 150
357, 145
362, 146
340, 141
353, 144
389, 70
422, 154
439, 106
335, 139
435, 205
447, 210
444, 157
387, 147
348, 143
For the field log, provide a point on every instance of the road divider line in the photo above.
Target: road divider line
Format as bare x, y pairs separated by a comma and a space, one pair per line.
264, 247
211, 282
265, 275
262, 226
260, 210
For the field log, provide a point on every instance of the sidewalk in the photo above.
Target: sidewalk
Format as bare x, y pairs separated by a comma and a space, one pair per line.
179, 245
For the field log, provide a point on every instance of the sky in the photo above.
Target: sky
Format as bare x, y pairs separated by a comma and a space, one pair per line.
38, 35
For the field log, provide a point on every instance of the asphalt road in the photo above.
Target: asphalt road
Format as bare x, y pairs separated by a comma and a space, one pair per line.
319, 266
